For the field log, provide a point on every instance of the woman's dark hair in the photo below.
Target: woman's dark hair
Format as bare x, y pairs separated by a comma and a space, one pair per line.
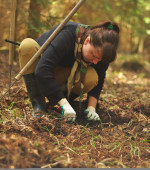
106, 36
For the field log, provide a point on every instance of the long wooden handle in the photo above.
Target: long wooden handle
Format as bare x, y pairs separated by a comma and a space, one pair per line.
49, 40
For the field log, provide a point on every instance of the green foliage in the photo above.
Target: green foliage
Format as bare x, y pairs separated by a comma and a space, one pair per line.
131, 15
14, 111
94, 138
11, 105
135, 150
51, 135
44, 3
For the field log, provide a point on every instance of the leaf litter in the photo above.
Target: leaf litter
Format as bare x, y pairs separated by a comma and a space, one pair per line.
120, 140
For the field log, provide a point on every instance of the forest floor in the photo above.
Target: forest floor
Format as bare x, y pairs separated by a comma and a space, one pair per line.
120, 140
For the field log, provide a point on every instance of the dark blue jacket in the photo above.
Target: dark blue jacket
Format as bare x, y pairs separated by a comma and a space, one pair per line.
61, 53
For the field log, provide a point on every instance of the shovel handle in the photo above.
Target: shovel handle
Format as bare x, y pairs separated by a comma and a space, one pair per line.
49, 40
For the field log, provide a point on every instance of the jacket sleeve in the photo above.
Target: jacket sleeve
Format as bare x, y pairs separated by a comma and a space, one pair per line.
100, 68
54, 54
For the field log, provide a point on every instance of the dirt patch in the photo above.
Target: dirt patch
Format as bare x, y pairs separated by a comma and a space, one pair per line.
121, 139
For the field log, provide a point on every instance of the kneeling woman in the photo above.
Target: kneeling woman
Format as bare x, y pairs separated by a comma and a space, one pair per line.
74, 63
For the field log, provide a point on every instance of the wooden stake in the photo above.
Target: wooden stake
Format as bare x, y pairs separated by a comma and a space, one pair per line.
12, 37
12, 31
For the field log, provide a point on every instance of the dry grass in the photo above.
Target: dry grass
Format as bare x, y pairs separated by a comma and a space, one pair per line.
120, 140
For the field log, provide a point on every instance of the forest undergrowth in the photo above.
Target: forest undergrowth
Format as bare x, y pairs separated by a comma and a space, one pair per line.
121, 139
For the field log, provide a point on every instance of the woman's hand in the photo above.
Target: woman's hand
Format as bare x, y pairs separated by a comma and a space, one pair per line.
91, 114
68, 112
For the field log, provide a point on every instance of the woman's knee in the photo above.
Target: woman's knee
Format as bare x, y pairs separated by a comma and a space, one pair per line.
27, 49
28, 45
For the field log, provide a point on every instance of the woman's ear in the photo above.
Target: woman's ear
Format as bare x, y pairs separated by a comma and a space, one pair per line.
87, 40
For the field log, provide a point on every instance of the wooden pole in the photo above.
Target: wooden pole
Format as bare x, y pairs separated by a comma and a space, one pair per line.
49, 40
12, 32
12, 37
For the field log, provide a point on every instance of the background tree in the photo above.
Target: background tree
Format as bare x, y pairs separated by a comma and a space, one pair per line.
36, 16
33, 21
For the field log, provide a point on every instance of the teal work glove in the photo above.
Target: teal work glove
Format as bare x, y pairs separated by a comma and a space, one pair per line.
67, 111
90, 114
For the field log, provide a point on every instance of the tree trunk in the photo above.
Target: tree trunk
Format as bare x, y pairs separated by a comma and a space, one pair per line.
34, 19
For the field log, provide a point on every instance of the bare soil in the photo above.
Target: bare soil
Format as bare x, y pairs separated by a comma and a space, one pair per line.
120, 140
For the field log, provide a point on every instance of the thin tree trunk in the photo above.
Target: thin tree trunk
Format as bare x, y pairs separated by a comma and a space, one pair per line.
34, 19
